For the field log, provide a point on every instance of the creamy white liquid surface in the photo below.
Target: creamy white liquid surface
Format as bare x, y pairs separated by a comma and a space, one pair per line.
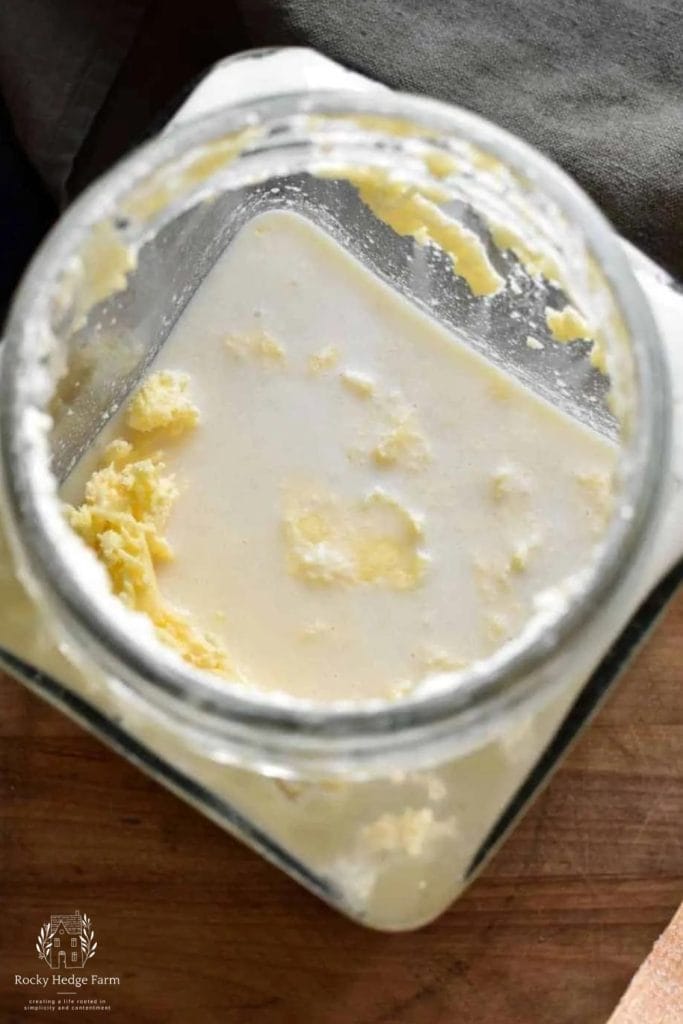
508, 494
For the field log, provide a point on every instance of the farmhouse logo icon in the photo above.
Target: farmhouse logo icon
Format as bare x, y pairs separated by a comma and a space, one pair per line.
66, 941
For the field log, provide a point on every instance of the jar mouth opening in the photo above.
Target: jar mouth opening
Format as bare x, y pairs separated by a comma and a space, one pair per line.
39, 535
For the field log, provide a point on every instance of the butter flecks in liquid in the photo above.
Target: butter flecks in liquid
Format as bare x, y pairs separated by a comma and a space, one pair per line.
508, 481
358, 383
125, 511
258, 344
373, 541
324, 360
412, 210
407, 832
436, 659
402, 443
263, 432
598, 496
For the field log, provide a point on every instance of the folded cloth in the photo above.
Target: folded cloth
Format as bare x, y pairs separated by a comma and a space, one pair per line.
595, 85
57, 64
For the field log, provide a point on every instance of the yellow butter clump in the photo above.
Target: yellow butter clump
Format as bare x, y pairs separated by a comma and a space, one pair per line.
124, 513
567, 325
372, 541
440, 164
162, 403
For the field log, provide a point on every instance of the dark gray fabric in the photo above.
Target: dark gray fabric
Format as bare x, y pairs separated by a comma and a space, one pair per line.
596, 84
58, 59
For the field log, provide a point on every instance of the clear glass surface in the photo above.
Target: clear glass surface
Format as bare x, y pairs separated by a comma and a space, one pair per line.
377, 806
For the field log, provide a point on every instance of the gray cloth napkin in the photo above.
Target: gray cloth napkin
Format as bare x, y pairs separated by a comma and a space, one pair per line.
596, 84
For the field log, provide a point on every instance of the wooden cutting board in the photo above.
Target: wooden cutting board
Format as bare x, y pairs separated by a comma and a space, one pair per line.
198, 928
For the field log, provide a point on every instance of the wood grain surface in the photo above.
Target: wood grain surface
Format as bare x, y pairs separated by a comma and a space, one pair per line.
200, 929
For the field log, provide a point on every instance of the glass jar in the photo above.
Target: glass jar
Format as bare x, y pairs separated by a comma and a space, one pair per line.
383, 809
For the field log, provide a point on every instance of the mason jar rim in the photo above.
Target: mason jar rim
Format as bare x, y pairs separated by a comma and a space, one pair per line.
253, 720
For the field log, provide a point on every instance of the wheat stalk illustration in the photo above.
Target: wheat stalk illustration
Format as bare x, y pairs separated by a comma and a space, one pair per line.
44, 943
88, 944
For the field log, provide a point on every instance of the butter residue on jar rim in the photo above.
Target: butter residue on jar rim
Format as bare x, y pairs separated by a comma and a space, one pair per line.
411, 209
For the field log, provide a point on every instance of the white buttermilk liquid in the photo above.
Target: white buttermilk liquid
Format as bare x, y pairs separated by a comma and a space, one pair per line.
503, 486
